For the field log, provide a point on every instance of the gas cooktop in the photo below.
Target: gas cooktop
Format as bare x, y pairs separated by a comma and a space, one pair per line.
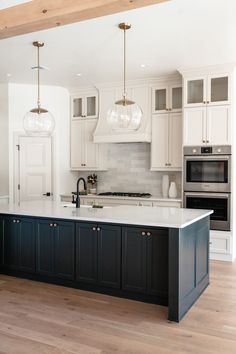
125, 194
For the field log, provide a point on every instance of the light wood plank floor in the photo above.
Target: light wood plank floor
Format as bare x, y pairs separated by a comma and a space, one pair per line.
37, 318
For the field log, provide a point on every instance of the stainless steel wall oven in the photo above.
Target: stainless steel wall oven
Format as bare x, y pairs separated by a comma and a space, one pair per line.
207, 182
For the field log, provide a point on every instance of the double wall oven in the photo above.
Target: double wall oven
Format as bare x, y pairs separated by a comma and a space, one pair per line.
207, 182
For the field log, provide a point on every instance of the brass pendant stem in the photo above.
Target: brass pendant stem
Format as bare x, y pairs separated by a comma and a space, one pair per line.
124, 93
39, 103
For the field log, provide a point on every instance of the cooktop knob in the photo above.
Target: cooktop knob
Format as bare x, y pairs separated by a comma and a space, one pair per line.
218, 150
194, 151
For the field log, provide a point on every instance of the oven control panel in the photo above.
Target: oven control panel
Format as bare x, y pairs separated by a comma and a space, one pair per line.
207, 150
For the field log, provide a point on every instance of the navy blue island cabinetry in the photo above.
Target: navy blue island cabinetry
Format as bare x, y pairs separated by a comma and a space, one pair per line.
168, 266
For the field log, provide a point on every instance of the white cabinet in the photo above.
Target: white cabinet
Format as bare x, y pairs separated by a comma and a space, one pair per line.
84, 105
167, 98
85, 154
206, 89
166, 146
207, 125
169, 204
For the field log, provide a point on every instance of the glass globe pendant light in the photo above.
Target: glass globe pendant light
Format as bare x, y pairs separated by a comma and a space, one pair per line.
38, 121
125, 115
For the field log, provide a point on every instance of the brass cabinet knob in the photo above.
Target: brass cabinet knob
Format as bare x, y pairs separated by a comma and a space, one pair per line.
204, 102
207, 141
208, 102
17, 221
204, 141
14, 220
94, 228
148, 233
55, 225
143, 233
98, 229
51, 225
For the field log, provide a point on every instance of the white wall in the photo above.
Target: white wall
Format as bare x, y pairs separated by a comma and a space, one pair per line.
22, 98
4, 185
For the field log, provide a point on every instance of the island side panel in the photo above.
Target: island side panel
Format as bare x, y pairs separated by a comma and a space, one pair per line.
188, 266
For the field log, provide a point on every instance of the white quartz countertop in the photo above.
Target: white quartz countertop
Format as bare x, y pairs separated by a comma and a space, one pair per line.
151, 199
130, 215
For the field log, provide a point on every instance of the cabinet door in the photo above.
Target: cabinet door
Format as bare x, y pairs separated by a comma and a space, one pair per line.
175, 140
64, 249
134, 260
160, 100
109, 255
45, 247
91, 149
77, 107
86, 253
218, 89
157, 262
11, 259
26, 244
194, 126
218, 125
195, 91
160, 141
77, 152
175, 98
91, 106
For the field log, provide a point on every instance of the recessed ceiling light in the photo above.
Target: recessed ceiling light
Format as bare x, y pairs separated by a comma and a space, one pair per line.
79, 74
143, 65
8, 75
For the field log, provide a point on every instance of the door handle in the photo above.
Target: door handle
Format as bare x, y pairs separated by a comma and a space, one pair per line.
48, 194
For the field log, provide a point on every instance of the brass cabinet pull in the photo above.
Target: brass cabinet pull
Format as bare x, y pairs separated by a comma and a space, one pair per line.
204, 141
51, 225
208, 102
98, 229
55, 225
204, 102
148, 233
94, 228
207, 141
14, 220
143, 233
17, 221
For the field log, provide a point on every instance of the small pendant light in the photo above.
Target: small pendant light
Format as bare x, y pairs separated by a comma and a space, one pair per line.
38, 121
125, 115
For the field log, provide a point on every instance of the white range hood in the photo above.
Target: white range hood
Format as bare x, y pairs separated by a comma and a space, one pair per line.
107, 96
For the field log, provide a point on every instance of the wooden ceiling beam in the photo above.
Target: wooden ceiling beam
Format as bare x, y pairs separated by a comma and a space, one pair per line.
39, 15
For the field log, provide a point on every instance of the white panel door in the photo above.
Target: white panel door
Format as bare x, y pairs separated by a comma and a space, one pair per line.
195, 126
175, 140
218, 125
160, 138
35, 168
77, 140
91, 149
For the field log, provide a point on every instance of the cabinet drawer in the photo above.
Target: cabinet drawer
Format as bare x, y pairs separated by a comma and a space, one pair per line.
219, 243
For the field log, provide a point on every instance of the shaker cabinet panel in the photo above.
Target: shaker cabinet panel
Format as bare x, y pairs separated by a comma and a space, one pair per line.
91, 149
86, 253
195, 126
134, 260
218, 89
45, 248
160, 141
64, 250
84, 105
26, 245
218, 125
77, 144
175, 140
109, 255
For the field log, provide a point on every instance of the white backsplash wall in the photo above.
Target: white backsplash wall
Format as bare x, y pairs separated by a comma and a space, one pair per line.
129, 171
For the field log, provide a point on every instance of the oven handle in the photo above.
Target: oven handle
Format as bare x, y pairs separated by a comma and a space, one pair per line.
208, 157
214, 195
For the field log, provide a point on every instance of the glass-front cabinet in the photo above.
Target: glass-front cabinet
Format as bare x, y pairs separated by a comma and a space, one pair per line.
207, 90
167, 99
84, 106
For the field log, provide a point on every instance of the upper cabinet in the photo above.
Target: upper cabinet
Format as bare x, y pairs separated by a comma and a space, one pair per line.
84, 105
167, 98
211, 89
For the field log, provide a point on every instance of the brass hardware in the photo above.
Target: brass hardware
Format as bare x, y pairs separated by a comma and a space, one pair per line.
55, 225
204, 102
143, 233
94, 228
148, 233
51, 225
98, 229
208, 102
17, 221
14, 220
124, 26
207, 141
204, 141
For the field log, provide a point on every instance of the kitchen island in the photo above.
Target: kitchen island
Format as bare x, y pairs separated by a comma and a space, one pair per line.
157, 255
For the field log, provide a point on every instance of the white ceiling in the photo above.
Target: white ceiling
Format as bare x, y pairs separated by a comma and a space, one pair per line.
178, 33
9, 3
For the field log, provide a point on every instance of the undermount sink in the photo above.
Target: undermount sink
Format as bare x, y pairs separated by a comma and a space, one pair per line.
73, 205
